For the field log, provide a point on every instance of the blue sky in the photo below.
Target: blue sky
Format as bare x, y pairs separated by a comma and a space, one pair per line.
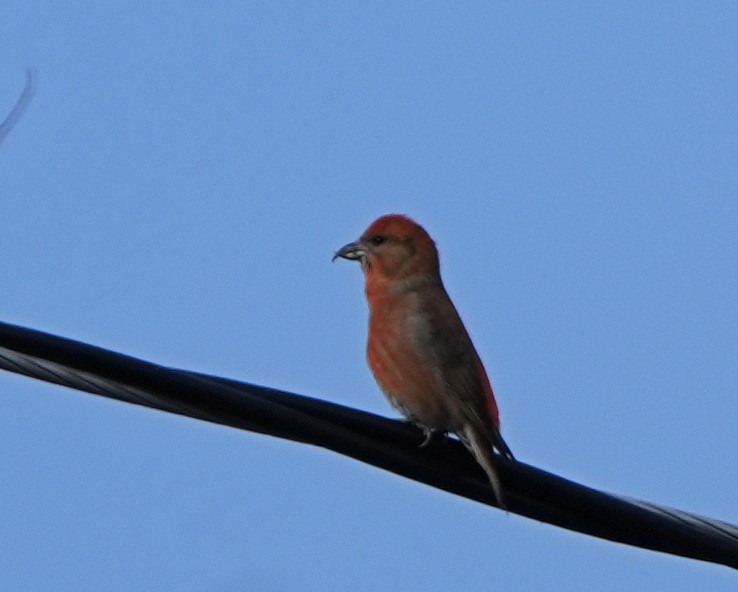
177, 189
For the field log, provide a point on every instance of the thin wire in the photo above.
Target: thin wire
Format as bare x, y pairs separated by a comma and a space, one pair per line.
29, 90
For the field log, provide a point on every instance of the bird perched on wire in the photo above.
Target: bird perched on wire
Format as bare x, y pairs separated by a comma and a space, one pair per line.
418, 349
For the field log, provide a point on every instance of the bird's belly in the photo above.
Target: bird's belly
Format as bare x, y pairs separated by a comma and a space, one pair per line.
410, 382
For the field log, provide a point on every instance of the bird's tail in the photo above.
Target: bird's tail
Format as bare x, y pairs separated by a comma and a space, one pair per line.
479, 445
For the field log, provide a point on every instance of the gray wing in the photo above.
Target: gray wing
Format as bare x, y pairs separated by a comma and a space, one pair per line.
459, 367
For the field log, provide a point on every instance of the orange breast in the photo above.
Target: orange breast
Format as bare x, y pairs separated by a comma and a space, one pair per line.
411, 384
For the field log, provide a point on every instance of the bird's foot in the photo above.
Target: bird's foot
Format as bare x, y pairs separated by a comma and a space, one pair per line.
428, 433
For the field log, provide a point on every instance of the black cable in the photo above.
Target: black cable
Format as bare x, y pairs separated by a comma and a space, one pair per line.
388, 444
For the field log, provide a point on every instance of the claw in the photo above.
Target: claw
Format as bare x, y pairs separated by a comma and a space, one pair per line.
428, 433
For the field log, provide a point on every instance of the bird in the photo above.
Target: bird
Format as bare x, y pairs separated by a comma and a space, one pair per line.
418, 349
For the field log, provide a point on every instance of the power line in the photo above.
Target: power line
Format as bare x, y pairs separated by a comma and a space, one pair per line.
385, 443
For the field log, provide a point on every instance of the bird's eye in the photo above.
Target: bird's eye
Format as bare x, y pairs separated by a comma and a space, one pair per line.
378, 240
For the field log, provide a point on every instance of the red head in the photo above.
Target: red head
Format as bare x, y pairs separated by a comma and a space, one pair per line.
394, 248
